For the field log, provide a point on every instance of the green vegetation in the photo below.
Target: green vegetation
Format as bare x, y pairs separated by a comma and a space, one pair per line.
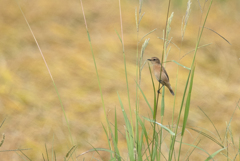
137, 123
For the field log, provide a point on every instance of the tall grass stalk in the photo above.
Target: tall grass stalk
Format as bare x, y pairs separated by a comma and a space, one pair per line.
162, 105
99, 84
60, 100
190, 72
125, 66
183, 29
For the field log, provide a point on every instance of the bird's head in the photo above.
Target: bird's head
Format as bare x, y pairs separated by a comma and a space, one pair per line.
154, 60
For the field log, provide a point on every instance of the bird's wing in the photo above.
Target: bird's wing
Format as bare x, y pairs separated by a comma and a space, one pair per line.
165, 73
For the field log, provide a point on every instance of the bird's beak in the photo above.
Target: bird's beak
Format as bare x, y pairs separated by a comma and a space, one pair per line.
149, 59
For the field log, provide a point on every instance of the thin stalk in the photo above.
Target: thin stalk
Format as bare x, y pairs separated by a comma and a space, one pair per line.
60, 100
95, 65
193, 61
155, 107
137, 70
125, 67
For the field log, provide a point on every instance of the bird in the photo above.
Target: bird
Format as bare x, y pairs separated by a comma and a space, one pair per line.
157, 68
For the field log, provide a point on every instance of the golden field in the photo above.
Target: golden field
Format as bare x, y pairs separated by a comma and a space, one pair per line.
30, 104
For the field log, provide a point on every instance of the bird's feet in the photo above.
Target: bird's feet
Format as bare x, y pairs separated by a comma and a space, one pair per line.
160, 89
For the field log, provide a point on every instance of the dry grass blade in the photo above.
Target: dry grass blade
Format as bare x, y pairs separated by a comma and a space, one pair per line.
48, 70
169, 41
3, 122
207, 136
194, 50
146, 35
218, 35
1, 143
25, 155
230, 121
193, 150
15, 150
211, 123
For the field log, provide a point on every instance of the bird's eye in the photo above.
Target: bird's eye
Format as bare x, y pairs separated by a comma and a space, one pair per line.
154, 59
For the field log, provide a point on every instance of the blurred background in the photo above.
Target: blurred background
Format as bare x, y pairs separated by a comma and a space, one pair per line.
30, 104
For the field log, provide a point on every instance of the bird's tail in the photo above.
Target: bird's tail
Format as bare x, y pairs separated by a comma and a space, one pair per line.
170, 89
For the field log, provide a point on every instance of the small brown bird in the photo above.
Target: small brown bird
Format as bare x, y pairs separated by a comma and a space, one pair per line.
164, 76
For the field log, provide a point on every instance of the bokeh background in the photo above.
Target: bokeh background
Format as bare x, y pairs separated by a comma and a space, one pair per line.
30, 104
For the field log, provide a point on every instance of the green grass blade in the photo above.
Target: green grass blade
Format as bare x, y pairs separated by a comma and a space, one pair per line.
140, 144
163, 102
193, 62
46, 152
196, 147
173, 139
67, 155
108, 138
154, 91
164, 127
181, 65
215, 153
43, 157
125, 115
125, 66
118, 36
187, 107
145, 133
129, 134
116, 128
145, 98
72, 150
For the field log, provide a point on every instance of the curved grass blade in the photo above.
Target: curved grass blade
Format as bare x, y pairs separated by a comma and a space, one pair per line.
194, 50
108, 138
164, 127
193, 150
187, 107
70, 153
2, 141
208, 136
116, 128
98, 149
155, 100
218, 35
211, 123
129, 132
196, 147
215, 153
145, 133
181, 65
145, 98
60, 100
146, 35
